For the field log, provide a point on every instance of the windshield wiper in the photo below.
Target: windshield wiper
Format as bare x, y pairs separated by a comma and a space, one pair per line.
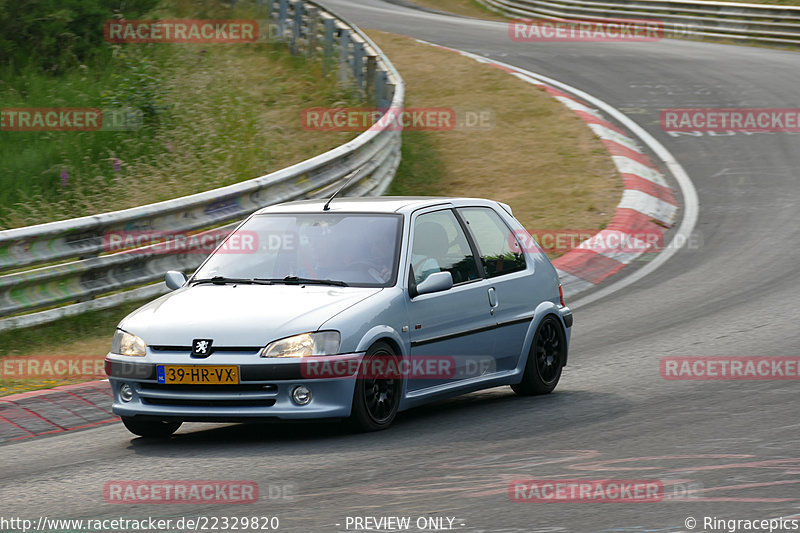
294, 280
222, 280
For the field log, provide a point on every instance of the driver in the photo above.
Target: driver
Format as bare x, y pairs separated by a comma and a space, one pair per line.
381, 257
430, 241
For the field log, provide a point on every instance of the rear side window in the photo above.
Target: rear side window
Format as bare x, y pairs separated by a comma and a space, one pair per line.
498, 247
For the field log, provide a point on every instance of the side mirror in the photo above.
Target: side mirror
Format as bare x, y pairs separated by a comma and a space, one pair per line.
436, 282
174, 279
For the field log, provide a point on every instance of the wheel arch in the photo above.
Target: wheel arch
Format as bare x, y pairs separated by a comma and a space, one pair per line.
543, 310
386, 334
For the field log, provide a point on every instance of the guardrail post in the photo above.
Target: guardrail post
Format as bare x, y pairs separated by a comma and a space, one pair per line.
327, 45
372, 69
271, 14
297, 24
358, 63
269, 9
283, 11
381, 81
311, 31
344, 53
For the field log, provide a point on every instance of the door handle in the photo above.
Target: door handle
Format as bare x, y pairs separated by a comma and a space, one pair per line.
492, 300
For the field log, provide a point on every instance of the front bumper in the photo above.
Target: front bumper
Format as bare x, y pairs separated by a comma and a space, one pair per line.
264, 390
566, 316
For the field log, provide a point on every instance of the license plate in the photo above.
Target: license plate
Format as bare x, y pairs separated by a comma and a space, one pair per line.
197, 374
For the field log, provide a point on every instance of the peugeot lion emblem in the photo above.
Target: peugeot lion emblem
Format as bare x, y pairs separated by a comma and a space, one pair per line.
201, 347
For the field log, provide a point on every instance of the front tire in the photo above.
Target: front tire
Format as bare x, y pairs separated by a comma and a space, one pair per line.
154, 429
545, 360
376, 399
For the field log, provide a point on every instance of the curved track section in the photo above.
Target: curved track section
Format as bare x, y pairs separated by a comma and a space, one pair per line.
722, 449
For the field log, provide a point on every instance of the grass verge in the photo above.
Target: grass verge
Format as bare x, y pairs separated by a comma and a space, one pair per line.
221, 114
538, 157
467, 8
89, 335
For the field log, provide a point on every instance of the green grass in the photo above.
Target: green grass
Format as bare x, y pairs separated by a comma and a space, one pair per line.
32, 163
204, 102
421, 167
467, 8
90, 325
85, 335
198, 102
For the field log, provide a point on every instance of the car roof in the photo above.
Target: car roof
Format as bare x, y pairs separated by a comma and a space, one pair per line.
374, 204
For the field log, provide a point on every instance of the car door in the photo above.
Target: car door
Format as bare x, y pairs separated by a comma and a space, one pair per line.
512, 286
452, 325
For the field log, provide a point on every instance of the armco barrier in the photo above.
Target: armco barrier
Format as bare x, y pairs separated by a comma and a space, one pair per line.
768, 24
57, 269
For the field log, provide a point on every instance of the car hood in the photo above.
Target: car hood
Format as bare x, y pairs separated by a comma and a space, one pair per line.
239, 315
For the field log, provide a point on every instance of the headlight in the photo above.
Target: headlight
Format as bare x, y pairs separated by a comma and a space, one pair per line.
124, 343
305, 345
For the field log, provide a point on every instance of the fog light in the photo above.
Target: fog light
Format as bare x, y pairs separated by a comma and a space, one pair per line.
301, 395
126, 393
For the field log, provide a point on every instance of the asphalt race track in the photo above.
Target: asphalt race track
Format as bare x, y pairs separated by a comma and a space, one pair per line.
724, 449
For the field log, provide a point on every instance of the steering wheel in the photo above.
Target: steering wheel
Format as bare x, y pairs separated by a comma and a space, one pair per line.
368, 268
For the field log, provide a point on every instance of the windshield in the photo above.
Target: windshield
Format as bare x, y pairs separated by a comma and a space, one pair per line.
356, 249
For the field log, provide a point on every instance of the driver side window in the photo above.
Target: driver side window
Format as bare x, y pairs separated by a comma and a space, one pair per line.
440, 245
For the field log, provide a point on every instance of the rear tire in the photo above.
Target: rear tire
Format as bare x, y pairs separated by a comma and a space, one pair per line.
375, 401
154, 429
545, 360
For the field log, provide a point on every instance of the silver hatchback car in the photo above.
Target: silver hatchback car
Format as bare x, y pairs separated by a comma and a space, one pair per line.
352, 309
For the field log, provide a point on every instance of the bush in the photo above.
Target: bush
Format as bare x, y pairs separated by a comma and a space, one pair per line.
55, 35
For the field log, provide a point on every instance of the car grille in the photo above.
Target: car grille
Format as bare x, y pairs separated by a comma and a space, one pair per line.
177, 402
247, 395
240, 350
208, 390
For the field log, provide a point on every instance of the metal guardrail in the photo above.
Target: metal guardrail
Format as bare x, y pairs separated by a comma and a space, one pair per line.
769, 24
57, 269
